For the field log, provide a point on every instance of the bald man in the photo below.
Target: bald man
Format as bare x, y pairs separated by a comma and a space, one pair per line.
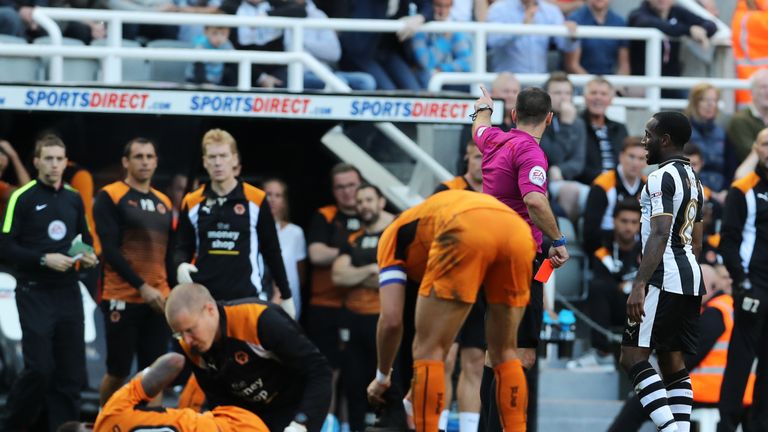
506, 87
251, 354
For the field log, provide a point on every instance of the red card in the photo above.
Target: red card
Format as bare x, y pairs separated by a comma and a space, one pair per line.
545, 271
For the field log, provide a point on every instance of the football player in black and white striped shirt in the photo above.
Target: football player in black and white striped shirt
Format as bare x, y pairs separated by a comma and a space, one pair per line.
663, 307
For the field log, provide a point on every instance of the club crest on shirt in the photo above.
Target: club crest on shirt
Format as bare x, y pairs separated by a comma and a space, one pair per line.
161, 208
57, 230
241, 357
239, 209
114, 316
537, 176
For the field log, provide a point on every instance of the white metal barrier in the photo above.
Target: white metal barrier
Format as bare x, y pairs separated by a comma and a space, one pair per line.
479, 31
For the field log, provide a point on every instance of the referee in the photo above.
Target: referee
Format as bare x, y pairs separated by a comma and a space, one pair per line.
41, 221
744, 249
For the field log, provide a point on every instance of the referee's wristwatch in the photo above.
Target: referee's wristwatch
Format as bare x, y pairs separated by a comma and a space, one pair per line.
562, 241
481, 107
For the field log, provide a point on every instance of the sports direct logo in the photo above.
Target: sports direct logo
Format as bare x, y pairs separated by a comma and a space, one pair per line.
125, 100
250, 104
409, 109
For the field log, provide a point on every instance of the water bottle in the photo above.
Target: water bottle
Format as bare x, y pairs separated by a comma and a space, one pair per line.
412, 9
567, 321
550, 335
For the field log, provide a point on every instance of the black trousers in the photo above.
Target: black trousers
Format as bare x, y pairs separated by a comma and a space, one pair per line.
748, 341
52, 324
358, 365
608, 307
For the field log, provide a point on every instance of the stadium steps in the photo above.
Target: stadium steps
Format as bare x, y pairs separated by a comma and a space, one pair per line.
577, 401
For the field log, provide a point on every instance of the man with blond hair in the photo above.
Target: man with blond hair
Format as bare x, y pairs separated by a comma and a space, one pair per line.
224, 226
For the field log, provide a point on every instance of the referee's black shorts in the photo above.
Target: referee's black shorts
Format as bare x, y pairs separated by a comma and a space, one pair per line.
133, 329
529, 332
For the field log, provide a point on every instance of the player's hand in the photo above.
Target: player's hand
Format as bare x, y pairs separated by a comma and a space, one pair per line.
183, 273
289, 307
59, 262
558, 255
412, 23
295, 427
89, 260
376, 390
269, 81
572, 26
635, 311
484, 99
152, 297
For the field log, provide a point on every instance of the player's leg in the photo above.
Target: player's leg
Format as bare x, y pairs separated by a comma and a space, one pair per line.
511, 388
679, 389
635, 351
121, 338
748, 315
450, 366
437, 323
472, 354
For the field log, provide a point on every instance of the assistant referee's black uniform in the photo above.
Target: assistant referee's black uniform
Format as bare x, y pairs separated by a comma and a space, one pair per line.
41, 219
744, 248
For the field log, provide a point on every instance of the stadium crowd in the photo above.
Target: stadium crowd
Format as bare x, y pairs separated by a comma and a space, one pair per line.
177, 270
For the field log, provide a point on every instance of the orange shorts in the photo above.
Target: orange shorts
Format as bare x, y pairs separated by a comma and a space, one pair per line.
123, 413
481, 247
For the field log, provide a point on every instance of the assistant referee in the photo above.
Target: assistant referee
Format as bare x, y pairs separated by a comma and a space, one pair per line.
41, 221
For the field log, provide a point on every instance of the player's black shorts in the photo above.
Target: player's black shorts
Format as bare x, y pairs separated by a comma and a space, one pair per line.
133, 329
671, 323
530, 326
322, 327
472, 333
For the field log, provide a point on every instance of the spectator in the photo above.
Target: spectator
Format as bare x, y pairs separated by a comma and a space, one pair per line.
470, 10
624, 182
707, 134
442, 52
293, 246
263, 38
8, 155
564, 144
567, 6
190, 32
598, 56
614, 266
524, 53
382, 55
356, 272
16, 19
605, 137
506, 87
325, 46
675, 22
213, 38
151, 32
749, 39
745, 124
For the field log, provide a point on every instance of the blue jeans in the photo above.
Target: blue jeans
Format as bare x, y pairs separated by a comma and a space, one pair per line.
355, 80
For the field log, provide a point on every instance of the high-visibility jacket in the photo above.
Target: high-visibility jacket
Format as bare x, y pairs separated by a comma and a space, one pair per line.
750, 42
707, 377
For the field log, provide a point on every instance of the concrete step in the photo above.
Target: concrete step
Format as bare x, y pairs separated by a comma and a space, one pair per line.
583, 384
557, 415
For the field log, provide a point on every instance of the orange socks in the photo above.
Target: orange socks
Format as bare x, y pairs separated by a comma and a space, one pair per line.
428, 394
511, 395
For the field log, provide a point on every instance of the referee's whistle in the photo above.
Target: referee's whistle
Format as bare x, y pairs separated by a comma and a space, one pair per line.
545, 271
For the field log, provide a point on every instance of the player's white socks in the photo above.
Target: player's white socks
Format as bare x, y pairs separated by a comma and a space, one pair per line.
469, 421
653, 396
680, 394
442, 424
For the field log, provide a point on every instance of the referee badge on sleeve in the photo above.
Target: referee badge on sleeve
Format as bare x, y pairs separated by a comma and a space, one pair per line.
537, 176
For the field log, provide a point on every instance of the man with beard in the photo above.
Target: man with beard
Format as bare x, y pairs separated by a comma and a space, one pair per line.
356, 271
